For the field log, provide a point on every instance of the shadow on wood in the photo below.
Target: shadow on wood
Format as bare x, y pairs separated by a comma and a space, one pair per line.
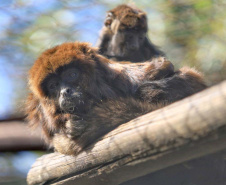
185, 130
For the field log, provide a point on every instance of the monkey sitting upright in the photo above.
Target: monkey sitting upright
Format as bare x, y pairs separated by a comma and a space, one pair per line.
124, 36
78, 95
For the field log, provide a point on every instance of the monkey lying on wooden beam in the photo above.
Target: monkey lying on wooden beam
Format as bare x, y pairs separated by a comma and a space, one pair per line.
77, 95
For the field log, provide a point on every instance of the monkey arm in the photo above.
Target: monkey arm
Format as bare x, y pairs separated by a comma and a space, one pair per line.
102, 119
103, 40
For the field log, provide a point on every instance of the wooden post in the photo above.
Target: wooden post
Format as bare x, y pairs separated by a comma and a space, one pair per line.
193, 127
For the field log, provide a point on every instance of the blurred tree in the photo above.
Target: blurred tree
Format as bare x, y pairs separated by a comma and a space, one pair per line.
197, 30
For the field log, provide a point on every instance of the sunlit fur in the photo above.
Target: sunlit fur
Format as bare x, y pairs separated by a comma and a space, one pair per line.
101, 80
113, 92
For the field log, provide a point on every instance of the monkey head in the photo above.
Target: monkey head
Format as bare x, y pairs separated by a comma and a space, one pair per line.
129, 28
124, 36
65, 87
127, 17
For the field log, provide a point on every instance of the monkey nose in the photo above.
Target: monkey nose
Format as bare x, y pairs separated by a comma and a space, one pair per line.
66, 92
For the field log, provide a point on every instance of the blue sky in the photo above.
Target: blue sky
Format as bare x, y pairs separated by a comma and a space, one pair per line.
6, 90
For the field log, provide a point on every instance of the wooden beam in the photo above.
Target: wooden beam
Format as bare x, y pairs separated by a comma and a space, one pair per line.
193, 127
16, 136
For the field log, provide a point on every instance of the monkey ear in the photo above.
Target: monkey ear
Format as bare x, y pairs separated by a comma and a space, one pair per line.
142, 21
109, 18
142, 16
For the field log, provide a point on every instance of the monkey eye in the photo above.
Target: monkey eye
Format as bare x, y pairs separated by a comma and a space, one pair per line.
53, 85
72, 75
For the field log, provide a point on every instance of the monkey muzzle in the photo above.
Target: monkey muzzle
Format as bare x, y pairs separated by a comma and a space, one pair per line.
70, 100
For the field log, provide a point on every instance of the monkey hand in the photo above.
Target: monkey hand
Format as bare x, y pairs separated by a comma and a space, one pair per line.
65, 145
75, 128
160, 68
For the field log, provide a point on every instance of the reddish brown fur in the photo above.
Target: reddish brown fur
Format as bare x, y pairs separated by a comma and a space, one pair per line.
129, 17
122, 80
55, 57
123, 9
113, 85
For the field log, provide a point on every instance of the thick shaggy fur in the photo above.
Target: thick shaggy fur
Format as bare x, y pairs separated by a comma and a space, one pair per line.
129, 17
107, 89
183, 83
101, 119
126, 26
112, 93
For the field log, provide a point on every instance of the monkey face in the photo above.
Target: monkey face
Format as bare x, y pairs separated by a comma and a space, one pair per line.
65, 87
133, 40
127, 43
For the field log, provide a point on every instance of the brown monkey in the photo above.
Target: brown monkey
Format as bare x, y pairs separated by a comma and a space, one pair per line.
74, 90
124, 36
78, 95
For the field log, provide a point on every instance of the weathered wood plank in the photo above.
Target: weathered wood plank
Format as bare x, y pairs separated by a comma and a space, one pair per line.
185, 130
